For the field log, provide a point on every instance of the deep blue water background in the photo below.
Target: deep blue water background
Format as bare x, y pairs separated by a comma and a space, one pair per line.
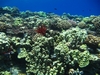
74, 7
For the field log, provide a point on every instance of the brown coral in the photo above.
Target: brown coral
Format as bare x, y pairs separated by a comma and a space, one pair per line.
91, 39
96, 22
60, 24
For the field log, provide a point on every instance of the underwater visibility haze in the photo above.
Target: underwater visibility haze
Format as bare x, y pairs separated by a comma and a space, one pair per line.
74, 7
49, 37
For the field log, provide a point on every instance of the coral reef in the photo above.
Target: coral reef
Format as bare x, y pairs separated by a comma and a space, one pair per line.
48, 44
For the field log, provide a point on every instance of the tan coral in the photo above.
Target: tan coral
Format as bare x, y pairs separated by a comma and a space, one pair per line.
91, 39
82, 24
96, 22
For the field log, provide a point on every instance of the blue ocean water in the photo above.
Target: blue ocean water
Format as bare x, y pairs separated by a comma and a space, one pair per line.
74, 7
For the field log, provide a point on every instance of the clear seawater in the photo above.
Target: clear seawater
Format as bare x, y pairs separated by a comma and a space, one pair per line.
74, 7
